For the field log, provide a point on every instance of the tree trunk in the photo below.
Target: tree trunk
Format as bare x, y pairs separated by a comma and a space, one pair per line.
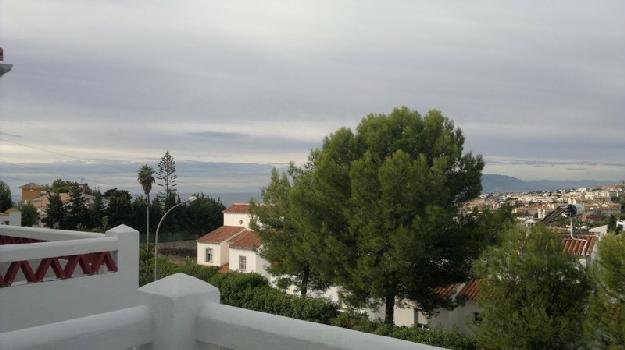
147, 226
304, 286
390, 306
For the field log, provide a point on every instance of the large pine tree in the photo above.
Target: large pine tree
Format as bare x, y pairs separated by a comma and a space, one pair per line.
55, 213
382, 204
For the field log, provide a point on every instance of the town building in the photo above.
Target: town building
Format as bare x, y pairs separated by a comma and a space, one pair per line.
31, 191
11, 217
233, 246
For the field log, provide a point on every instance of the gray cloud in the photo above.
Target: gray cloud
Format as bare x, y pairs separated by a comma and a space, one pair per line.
244, 81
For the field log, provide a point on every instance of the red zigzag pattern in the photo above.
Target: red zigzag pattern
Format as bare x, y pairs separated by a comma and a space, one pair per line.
89, 263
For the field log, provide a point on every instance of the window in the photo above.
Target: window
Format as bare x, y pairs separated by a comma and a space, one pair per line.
477, 318
209, 254
240, 222
242, 262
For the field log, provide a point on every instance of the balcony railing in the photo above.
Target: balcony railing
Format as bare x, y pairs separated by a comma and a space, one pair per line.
52, 275
103, 310
183, 313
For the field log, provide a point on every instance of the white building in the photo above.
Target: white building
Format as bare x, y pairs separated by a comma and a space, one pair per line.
232, 247
12, 217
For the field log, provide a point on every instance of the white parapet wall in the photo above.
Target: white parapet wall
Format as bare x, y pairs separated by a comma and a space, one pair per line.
26, 304
183, 313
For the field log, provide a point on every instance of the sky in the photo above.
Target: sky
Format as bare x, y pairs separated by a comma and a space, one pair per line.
98, 87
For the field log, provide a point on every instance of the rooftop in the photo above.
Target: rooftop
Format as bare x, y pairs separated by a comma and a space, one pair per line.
238, 208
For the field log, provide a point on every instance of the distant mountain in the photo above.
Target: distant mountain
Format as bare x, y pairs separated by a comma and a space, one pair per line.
503, 183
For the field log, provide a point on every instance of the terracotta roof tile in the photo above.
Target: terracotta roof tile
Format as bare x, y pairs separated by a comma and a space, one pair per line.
238, 208
221, 234
447, 292
577, 247
246, 240
470, 290
32, 185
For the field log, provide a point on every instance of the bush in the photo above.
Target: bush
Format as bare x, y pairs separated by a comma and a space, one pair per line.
252, 291
445, 339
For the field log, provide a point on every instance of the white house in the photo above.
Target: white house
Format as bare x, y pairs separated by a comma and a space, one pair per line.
232, 247
12, 217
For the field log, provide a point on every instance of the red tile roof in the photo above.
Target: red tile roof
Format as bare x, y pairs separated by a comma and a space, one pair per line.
221, 234
578, 247
238, 208
32, 185
470, 290
246, 240
447, 292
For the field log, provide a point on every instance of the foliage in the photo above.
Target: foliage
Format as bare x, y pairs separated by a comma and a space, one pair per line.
55, 213
145, 177
5, 197
605, 323
76, 210
532, 293
65, 186
30, 216
444, 339
252, 291
97, 211
166, 176
118, 210
202, 215
382, 203
286, 243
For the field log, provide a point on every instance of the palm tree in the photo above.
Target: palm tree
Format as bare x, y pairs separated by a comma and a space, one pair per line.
146, 179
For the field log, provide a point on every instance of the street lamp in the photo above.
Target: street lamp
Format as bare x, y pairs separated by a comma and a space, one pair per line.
189, 200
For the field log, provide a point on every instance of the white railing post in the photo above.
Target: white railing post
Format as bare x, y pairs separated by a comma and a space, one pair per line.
127, 254
175, 302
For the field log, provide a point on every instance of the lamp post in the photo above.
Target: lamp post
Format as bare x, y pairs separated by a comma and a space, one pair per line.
189, 200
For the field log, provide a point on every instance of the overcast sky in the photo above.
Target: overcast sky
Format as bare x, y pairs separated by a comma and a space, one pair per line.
538, 87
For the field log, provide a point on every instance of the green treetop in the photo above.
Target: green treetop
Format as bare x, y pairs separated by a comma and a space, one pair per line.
382, 203
532, 293
605, 324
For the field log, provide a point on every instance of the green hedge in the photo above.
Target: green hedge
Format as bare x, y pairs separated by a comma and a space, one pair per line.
444, 339
252, 291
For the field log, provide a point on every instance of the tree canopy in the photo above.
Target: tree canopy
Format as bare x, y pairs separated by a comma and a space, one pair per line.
532, 293
378, 207
287, 243
5, 197
605, 324
166, 176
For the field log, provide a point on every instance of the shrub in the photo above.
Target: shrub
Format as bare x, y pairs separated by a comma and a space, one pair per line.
445, 339
252, 291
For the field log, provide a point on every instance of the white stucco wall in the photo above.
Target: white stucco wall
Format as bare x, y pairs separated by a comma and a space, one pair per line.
238, 220
220, 254
14, 218
255, 263
31, 304
181, 312
460, 319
